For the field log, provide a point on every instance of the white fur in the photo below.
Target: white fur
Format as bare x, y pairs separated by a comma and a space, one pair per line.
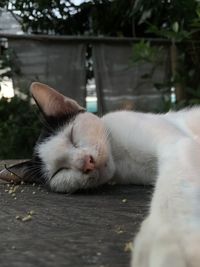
148, 149
58, 152
170, 236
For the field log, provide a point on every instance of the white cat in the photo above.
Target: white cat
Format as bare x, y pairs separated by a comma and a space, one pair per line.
80, 150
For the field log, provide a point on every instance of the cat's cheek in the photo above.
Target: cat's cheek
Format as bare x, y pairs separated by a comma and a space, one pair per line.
107, 172
66, 182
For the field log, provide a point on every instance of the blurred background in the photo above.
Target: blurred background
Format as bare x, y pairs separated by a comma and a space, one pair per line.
106, 54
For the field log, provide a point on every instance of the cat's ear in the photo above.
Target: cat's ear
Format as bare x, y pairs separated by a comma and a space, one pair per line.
17, 173
52, 103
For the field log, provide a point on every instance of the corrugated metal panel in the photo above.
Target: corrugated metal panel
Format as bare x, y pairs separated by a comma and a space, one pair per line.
58, 64
122, 84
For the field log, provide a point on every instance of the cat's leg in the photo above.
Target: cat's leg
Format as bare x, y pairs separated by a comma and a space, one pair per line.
170, 236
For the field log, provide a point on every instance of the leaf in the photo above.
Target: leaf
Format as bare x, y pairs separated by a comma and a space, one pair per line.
175, 26
145, 15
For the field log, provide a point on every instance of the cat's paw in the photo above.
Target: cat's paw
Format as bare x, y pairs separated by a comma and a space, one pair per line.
163, 245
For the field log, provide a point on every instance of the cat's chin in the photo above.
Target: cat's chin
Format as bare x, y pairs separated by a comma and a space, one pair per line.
69, 181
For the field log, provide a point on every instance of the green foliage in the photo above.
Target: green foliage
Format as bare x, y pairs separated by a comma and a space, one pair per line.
64, 17
163, 13
112, 18
144, 52
54, 16
104, 17
19, 128
179, 22
5, 61
3, 3
173, 34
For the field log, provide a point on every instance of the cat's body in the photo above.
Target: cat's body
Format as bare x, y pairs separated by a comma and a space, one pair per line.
128, 147
163, 150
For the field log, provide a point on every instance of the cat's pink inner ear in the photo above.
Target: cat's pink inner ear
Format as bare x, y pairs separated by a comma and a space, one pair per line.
52, 102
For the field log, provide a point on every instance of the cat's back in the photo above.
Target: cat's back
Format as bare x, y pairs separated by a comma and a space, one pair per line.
137, 124
187, 120
125, 117
131, 128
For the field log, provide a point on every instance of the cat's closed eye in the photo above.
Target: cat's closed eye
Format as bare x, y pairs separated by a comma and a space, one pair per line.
72, 138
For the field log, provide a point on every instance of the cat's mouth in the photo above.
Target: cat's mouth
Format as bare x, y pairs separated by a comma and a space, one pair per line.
68, 180
67, 169
59, 170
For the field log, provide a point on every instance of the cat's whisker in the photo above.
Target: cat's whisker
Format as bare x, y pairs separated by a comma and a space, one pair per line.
34, 172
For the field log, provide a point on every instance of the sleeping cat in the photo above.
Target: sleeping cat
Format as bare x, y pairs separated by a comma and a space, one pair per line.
78, 150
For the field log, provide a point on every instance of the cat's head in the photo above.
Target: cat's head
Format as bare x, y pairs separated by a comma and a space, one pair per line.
73, 151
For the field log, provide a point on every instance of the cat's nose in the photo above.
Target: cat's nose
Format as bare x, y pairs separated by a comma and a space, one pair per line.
88, 164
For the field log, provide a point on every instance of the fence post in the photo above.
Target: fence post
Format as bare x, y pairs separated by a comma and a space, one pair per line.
179, 90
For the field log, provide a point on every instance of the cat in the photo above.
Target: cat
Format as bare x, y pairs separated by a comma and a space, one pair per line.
78, 150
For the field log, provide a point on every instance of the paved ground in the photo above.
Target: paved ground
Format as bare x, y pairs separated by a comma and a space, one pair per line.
94, 228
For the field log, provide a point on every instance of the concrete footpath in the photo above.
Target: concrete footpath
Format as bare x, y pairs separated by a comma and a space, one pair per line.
93, 228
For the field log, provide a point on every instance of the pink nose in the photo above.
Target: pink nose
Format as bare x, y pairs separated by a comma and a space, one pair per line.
89, 164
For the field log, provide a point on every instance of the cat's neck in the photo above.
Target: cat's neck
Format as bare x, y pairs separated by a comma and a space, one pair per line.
134, 158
